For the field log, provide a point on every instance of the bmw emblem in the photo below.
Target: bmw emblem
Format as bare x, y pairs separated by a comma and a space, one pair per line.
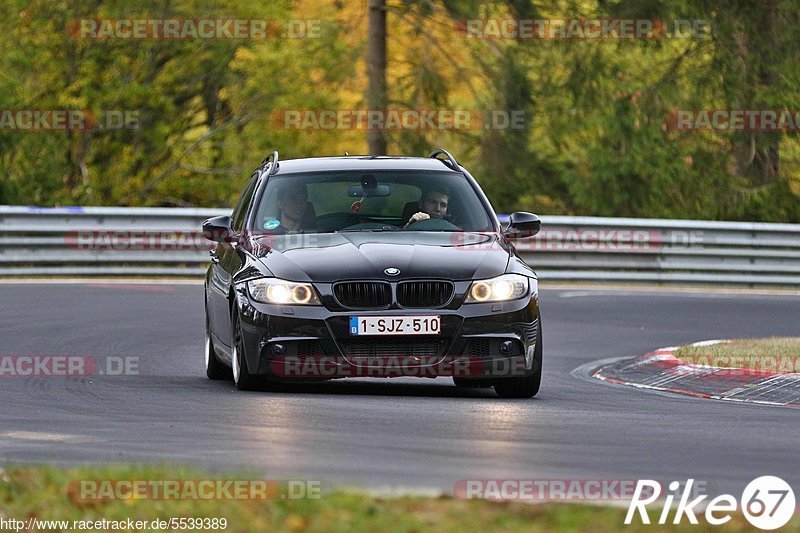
391, 271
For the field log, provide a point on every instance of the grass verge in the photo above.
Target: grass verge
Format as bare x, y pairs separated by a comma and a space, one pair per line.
777, 354
48, 493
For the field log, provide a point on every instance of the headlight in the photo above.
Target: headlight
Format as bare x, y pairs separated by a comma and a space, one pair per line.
499, 289
279, 291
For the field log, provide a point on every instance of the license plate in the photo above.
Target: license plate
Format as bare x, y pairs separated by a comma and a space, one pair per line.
395, 325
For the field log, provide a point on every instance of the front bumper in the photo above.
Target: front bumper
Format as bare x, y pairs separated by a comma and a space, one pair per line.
485, 340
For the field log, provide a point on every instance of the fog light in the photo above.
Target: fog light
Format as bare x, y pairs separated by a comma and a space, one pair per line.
506, 347
278, 349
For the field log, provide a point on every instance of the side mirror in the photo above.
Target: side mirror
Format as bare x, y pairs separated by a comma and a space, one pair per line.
218, 229
522, 225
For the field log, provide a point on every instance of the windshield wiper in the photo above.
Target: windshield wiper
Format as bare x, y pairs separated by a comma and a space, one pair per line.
384, 228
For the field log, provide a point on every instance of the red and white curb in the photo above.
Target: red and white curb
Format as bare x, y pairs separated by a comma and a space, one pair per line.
661, 371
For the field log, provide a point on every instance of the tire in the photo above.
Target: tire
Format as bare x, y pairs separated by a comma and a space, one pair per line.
467, 383
523, 386
242, 377
214, 369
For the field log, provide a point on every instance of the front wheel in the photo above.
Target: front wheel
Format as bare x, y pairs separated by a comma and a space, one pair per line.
242, 377
214, 369
523, 386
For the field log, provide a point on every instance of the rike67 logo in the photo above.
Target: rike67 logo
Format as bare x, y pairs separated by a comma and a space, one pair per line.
767, 502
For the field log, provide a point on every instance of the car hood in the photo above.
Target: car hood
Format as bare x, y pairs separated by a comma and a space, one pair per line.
332, 257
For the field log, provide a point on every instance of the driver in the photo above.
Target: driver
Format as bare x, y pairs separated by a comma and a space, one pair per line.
433, 204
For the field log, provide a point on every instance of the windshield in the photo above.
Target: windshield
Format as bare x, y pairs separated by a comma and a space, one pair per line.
326, 202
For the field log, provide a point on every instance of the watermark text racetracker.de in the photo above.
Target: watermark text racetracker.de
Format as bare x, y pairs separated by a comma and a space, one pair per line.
410, 365
60, 366
584, 29
590, 239
135, 240
546, 490
733, 120
734, 364
35, 120
107, 490
399, 119
194, 29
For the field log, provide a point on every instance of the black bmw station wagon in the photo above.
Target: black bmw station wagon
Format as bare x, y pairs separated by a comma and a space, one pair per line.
365, 266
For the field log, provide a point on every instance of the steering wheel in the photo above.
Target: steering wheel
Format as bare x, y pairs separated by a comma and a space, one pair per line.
432, 224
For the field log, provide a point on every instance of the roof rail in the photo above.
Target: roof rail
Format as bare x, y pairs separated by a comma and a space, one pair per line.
452, 160
271, 158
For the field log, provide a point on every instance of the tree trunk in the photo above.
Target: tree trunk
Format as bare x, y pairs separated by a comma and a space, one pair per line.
376, 72
756, 153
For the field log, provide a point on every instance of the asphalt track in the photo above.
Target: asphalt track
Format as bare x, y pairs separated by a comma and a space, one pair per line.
401, 433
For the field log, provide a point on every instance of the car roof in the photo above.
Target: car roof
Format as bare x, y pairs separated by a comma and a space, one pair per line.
358, 162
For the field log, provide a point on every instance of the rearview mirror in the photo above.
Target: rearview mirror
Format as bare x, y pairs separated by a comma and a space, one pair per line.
522, 225
358, 191
218, 229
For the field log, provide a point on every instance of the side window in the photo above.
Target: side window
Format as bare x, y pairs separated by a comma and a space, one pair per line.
240, 210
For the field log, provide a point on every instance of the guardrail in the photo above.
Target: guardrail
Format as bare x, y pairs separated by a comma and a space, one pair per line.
113, 241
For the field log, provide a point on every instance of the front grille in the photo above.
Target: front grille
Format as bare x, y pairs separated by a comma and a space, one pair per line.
424, 293
363, 294
393, 348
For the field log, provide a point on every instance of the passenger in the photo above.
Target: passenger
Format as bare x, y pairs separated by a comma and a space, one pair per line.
296, 212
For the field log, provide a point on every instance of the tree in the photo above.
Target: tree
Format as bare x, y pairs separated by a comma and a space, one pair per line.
376, 72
